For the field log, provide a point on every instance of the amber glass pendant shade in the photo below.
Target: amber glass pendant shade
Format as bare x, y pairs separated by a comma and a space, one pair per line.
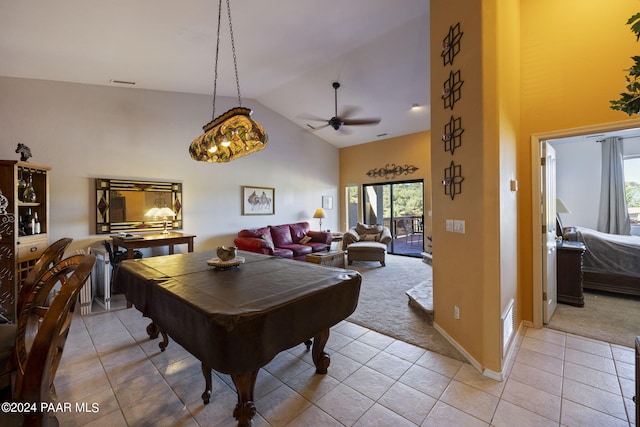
230, 136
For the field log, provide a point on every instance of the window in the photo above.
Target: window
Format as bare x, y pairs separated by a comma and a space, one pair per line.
632, 188
351, 196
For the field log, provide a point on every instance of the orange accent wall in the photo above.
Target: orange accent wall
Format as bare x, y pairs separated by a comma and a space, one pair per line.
572, 60
357, 160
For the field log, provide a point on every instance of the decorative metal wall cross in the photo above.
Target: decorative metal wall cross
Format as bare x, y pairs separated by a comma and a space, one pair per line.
451, 44
451, 89
452, 135
453, 180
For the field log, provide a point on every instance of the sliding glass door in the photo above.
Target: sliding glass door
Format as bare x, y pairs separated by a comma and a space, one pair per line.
399, 206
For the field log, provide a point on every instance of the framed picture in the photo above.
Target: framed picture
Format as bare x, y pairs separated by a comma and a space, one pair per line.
327, 202
258, 200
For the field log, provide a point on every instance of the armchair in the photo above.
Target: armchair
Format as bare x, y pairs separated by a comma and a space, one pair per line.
366, 243
366, 233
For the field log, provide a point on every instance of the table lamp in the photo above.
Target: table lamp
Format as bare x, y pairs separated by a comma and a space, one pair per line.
320, 214
560, 208
162, 212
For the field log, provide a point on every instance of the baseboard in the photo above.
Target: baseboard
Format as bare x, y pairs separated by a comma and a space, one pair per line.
497, 376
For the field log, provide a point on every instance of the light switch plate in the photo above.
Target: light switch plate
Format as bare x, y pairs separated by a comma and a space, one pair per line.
449, 225
458, 226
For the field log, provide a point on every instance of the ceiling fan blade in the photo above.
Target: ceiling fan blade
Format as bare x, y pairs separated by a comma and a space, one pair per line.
311, 117
349, 110
369, 121
318, 127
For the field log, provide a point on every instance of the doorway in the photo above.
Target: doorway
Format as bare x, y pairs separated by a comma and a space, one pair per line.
538, 193
400, 207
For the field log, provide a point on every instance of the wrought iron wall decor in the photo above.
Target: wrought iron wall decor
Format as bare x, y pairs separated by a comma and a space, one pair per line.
391, 171
451, 44
452, 135
452, 181
452, 93
451, 89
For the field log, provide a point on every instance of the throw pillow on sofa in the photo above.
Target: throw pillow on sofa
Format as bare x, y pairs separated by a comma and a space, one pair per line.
267, 238
305, 240
364, 229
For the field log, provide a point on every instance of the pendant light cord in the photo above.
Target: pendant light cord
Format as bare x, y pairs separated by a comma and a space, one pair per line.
233, 50
235, 62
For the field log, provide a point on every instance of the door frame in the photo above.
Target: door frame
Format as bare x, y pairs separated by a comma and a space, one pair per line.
391, 224
536, 191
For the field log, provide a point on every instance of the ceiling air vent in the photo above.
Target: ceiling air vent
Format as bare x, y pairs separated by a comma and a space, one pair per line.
122, 82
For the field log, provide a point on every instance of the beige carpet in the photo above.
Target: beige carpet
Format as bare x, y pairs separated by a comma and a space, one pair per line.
384, 306
606, 317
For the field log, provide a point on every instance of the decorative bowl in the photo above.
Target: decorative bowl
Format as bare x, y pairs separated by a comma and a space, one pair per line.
227, 253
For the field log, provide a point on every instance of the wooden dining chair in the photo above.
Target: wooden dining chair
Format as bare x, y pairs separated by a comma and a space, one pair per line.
115, 258
51, 255
41, 335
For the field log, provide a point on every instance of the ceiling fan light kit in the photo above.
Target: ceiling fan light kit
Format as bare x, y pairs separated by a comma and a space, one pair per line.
233, 134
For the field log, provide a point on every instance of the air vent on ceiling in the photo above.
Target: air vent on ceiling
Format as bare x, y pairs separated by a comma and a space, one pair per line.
122, 82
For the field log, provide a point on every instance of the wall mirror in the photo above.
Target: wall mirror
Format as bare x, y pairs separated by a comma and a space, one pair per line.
122, 205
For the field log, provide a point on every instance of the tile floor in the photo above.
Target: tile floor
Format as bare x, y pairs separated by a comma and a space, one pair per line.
555, 379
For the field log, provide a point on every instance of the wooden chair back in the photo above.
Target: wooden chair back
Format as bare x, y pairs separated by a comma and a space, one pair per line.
51, 255
42, 331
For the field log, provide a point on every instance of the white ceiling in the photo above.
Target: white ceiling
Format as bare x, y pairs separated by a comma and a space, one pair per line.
288, 52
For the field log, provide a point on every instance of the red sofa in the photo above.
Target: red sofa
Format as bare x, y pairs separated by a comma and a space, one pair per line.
286, 240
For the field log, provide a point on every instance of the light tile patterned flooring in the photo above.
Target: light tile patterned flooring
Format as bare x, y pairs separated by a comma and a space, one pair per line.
374, 380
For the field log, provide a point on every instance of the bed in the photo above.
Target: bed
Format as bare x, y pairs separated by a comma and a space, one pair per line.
611, 262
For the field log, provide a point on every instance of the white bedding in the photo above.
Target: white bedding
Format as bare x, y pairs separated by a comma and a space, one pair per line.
610, 253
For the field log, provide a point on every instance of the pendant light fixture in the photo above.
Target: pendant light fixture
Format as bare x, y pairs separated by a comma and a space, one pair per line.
233, 134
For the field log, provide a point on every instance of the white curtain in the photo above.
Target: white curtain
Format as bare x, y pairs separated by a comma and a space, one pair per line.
613, 217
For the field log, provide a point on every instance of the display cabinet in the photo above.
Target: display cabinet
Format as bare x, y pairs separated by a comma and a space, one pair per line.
24, 226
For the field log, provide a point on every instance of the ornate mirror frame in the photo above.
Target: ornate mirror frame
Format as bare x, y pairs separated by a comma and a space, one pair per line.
111, 205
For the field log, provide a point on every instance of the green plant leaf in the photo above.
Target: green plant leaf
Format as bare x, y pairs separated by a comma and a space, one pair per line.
630, 102
634, 21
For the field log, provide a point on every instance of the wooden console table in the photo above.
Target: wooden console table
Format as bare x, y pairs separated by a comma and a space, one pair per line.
233, 320
153, 240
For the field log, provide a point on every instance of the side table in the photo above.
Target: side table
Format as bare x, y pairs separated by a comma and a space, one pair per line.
569, 273
336, 240
328, 259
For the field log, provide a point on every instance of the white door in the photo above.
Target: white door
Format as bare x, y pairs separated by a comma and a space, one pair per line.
548, 200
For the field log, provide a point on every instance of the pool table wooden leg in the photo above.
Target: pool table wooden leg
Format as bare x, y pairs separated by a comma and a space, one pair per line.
206, 395
245, 410
320, 358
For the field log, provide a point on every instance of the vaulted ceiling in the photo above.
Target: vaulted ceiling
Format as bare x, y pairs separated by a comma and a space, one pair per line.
289, 52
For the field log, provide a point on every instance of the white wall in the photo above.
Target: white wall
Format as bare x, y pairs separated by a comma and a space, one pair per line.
83, 132
578, 177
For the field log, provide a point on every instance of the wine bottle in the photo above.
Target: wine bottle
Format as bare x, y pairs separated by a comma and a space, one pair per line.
36, 223
22, 184
21, 231
29, 194
28, 223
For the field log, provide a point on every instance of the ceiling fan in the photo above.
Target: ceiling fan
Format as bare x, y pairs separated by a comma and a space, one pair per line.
337, 122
